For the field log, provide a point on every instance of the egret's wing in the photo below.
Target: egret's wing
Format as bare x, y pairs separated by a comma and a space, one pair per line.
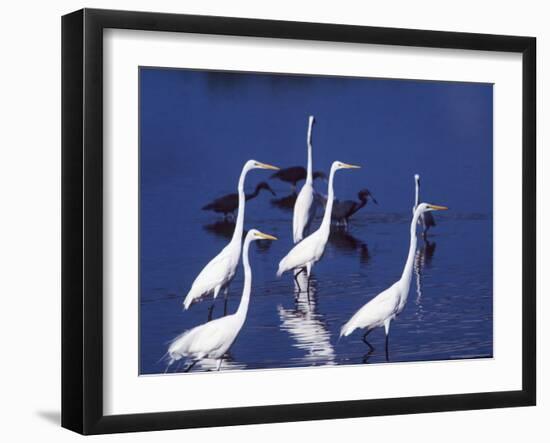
204, 339
299, 255
216, 272
374, 312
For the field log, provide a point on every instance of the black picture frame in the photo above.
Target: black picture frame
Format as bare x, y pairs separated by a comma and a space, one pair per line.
82, 220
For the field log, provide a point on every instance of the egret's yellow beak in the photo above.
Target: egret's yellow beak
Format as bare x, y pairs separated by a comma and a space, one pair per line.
438, 208
345, 165
266, 166
266, 236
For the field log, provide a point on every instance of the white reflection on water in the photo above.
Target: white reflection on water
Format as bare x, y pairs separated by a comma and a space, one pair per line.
306, 326
423, 257
207, 364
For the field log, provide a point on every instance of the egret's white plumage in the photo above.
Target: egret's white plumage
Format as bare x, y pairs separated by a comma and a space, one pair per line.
219, 272
304, 207
311, 249
213, 339
383, 308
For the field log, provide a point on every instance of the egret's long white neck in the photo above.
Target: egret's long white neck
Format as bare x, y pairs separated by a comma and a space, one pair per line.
239, 224
325, 224
416, 193
309, 178
245, 298
407, 270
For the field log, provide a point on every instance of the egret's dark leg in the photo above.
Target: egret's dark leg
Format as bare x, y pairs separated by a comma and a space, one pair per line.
296, 278
387, 347
371, 347
308, 272
190, 366
210, 310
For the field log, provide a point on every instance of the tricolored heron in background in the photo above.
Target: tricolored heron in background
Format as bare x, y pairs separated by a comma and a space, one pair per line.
229, 203
294, 174
342, 211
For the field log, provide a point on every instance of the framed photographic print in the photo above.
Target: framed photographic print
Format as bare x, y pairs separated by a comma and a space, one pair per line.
270, 221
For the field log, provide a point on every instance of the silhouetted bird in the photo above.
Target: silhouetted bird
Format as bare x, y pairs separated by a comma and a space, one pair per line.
228, 203
285, 203
427, 219
343, 210
294, 174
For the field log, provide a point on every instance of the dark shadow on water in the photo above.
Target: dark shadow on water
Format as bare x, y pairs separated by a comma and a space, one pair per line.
53, 417
222, 228
342, 240
225, 228
285, 203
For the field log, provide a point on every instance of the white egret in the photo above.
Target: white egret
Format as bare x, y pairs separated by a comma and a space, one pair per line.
311, 249
213, 339
427, 219
304, 208
219, 272
383, 308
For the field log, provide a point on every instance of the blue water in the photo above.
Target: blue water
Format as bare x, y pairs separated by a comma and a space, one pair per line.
196, 131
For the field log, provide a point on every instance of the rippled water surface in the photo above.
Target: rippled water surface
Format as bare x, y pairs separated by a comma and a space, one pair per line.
196, 132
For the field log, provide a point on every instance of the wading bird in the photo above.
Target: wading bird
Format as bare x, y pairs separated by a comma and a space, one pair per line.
219, 272
343, 210
383, 308
229, 203
294, 174
427, 219
304, 208
213, 339
310, 250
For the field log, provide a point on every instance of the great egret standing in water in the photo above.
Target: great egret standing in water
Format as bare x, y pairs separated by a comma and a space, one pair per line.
213, 339
219, 272
304, 208
311, 249
383, 308
427, 219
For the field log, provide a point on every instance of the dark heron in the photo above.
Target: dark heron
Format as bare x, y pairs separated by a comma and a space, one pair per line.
426, 220
229, 203
294, 174
343, 210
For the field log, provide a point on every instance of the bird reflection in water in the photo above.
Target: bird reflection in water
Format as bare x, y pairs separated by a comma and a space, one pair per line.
342, 240
210, 364
306, 326
423, 258
224, 229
